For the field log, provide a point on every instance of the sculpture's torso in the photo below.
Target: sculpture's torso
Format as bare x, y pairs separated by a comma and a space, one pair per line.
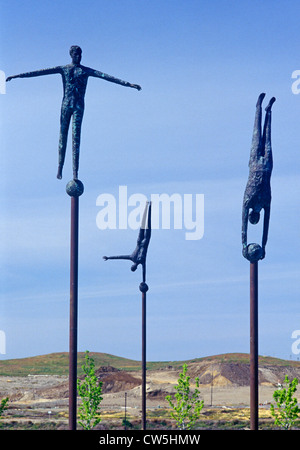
75, 79
258, 189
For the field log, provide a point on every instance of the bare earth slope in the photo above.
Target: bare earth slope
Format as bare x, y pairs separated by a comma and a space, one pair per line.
224, 380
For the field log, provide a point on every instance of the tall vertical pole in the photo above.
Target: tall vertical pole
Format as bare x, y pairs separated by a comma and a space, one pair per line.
144, 360
143, 289
74, 189
254, 345
125, 422
211, 386
73, 314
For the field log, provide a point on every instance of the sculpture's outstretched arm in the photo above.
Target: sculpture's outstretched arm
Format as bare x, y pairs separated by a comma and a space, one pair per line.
144, 271
118, 257
266, 227
245, 216
36, 73
105, 76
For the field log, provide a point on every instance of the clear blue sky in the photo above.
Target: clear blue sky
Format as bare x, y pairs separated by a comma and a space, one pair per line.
201, 66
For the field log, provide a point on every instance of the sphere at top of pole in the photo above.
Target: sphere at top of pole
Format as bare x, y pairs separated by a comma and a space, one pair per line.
75, 188
143, 287
254, 252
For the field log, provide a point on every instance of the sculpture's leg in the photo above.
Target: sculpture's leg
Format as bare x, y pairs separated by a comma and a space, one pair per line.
245, 216
65, 118
143, 226
148, 231
267, 132
256, 138
76, 132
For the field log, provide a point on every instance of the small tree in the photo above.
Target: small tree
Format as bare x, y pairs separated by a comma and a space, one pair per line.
287, 410
187, 407
3, 405
90, 391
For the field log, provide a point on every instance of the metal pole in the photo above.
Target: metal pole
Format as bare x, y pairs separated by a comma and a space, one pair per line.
74, 189
73, 314
254, 345
211, 387
143, 289
125, 409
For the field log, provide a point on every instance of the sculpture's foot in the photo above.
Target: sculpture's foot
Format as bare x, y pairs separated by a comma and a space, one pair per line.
59, 173
75, 175
268, 108
260, 99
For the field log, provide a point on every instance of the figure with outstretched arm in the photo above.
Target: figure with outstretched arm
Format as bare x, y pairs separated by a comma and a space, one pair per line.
138, 256
74, 77
257, 194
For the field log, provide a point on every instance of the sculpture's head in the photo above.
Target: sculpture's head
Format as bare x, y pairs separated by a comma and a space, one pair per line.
254, 217
75, 53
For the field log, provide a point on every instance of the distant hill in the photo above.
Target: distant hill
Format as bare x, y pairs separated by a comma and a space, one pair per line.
58, 363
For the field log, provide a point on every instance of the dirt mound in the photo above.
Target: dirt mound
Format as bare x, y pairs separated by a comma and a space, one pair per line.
238, 374
105, 369
235, 373
276, 374
218, 374
114, 380
157, 394
54, 392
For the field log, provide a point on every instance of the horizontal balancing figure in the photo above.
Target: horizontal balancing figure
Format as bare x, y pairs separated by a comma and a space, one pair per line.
75, 78
257, 194
140, 253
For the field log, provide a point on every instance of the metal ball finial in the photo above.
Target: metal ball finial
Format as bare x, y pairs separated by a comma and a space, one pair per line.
75, 188
143, 287
254, 252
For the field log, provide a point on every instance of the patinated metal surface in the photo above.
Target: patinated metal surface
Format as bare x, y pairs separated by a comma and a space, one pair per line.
75, 188
257, 194
75, 78
138, 256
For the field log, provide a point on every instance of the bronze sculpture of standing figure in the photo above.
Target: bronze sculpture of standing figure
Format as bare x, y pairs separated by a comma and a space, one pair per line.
74, 77
257, 194
138, 256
